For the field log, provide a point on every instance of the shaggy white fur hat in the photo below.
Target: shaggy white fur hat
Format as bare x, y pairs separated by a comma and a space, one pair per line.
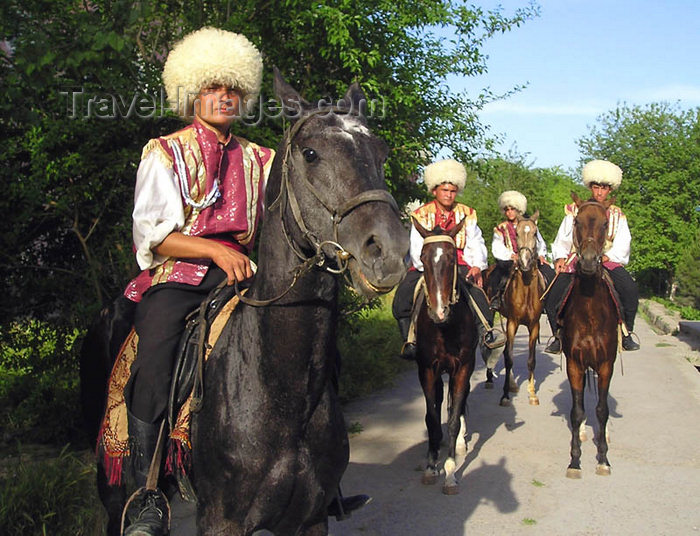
443, 171
602, 172
511, 198
211, 56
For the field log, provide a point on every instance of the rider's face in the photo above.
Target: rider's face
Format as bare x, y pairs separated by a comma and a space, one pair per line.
218, 106
600, 191
445, 195
511, 213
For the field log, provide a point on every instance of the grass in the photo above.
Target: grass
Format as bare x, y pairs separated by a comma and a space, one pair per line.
663, 344
369, 345
55, 496
686, 312
537, 483
529, 521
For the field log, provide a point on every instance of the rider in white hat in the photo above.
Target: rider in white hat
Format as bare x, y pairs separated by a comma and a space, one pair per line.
601, 177
504, 246
445, 179
197, 206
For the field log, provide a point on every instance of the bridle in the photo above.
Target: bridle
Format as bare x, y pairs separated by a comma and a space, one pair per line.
287, 198
589, 239
454, 297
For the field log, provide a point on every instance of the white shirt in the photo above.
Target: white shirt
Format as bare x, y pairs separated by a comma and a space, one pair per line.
503, 253
618, 252
474, 252
158, 209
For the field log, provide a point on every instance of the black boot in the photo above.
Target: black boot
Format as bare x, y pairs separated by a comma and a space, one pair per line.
629, 344
149, 516
341, 507
554, 347
408, 351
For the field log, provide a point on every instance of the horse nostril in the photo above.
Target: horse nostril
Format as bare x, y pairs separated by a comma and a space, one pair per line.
372, 248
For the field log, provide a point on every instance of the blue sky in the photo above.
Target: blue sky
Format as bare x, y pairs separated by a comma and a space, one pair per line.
580, 59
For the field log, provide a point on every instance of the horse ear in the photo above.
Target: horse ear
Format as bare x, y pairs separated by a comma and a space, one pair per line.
457, 228
535, 216
576, 199
355, 99
421, 230
293, 104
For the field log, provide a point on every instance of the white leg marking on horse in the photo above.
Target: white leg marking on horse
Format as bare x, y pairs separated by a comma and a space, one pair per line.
461, 441
582, 431
450, 487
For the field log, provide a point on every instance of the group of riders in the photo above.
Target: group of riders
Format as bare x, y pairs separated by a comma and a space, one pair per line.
198, 204
445, 179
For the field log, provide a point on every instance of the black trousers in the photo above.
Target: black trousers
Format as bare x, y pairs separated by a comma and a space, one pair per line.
403, 299
624, 284
159, 322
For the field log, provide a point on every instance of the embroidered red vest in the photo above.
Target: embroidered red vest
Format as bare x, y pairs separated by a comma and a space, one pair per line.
427, 217
239, 169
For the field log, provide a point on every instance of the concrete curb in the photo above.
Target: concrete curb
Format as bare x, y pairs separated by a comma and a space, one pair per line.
661, 318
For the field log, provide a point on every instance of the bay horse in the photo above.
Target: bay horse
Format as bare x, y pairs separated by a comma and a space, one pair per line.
446, 343
589, 334
521, 306
269, 443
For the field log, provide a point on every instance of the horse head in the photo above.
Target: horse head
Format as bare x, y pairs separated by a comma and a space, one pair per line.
526, 238
336, 206
590, 230
439, 258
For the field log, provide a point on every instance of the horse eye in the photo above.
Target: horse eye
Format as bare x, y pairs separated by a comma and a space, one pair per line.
309, 154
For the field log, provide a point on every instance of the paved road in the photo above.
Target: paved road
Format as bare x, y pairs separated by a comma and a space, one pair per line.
513, 477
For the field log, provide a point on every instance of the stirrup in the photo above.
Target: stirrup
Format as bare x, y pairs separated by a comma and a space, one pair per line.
408, 351
494, 338
553, 345
629, 344
148, 512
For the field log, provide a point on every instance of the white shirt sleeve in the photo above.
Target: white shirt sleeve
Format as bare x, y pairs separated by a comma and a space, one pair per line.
620, 249
415, 248
158, 209
565, 238
541, 245
475, 250
499, 249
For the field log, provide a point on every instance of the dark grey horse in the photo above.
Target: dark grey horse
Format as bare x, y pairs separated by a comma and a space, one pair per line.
270, 444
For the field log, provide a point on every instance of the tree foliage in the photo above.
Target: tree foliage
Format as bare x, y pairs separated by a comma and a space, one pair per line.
546, 190
81, 95
658, 148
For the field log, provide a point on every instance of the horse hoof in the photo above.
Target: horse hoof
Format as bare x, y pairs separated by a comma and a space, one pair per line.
505, 402
602, 469
488, 385
428, 479
573, 473
534, 401
450, 490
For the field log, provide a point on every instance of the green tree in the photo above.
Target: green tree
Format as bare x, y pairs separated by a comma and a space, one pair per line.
546, 189
688, 275
658, 148
71, 139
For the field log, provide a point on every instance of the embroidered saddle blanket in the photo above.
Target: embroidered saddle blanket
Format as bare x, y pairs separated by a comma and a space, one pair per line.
113, 438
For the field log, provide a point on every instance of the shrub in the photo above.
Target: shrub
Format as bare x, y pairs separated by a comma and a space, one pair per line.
56, 496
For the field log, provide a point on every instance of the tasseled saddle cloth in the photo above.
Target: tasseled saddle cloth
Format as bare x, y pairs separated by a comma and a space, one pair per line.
113, 439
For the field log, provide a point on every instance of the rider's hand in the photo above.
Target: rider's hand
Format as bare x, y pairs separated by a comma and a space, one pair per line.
234, 263
559, 264
474, 274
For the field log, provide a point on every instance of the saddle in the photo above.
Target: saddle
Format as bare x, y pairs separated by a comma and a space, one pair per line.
202, 330
611, 289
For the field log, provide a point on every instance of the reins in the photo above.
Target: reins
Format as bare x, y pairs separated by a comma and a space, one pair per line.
287, 198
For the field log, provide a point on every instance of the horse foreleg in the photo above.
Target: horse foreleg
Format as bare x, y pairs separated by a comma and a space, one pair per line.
601, 410
489, 379
531, 361
462, 437
575, 373
459, 390
509, 385
429, 381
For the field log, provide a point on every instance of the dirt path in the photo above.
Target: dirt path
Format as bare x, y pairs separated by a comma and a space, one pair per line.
513, 477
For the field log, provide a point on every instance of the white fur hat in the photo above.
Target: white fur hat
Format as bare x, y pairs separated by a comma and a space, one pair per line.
443, 171
602, 172
211, 56
511, 198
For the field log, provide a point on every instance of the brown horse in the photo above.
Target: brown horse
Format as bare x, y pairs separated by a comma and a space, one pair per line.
589, 333
521, 306
446, 343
